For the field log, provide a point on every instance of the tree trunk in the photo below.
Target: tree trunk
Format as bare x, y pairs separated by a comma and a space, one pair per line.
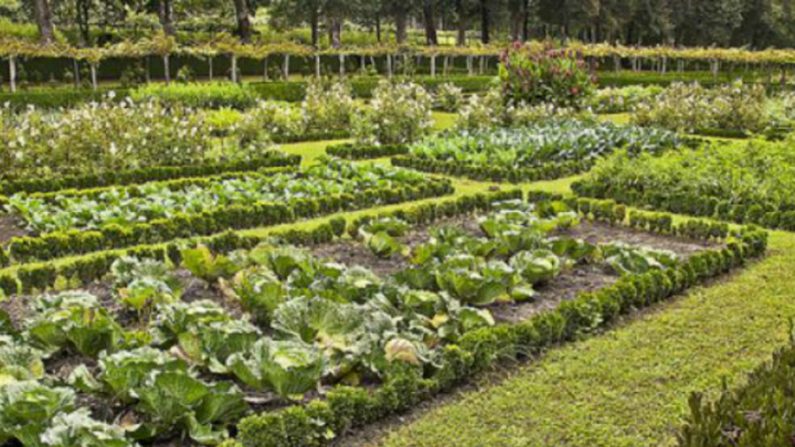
317, 65
210, 66
265, 69
166, 16
83, 9
433, 65
389, 65
12, 73
43, 20
485, 21
234, 68
461, 37
401, 23
243, 20
430, 22
378, 28
335, 33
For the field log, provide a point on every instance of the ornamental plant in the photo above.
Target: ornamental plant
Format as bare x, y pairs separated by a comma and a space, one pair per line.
556, 76
399, 113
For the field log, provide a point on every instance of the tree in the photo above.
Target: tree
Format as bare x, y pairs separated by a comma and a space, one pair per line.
44, 21
243, 20
429, 19
166, 16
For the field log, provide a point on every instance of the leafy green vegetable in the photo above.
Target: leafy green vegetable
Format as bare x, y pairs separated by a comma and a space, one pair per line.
79, 429
288, 367
27, 407
202, 263
536, 267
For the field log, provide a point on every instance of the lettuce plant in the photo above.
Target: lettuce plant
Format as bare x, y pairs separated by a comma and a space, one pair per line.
27, 408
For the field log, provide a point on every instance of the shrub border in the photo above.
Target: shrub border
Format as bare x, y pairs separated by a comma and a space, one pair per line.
270, 159
346, 408
547, 171
357, 151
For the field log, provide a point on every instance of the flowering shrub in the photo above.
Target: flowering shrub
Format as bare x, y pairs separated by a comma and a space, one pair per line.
327, 107
269, 118
623, 99
449, 97
100, 136
398, 113
552, 76
489, 111
692, 108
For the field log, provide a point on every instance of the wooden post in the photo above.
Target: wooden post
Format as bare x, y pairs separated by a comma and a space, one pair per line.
389, 65
470, 66
76, 69
317, 65
234, 68
482, 65
210, 62
12, 72
167, 68
342, 65
286, 67
616, 63
433, 66
93, 76
446, 65
265, 76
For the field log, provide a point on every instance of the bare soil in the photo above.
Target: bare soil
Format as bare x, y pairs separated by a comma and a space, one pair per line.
10, 227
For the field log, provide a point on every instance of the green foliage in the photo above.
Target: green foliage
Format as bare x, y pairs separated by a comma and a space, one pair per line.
205, 95
399, 113
692, 108
551, 76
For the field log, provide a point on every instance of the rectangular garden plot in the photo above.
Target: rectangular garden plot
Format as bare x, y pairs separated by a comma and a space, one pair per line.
82, 221
744, 183
554, 149
278, 346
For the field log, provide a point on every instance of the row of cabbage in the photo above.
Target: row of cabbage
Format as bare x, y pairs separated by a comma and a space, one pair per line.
127, 205
160, 352
543, 143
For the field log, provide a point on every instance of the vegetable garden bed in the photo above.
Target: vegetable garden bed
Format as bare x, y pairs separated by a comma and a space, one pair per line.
174, 352
540, 152
744, 183
83, 221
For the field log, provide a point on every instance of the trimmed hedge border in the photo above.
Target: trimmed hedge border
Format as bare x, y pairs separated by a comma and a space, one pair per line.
269, 159
240, 216
90, 268
355, 151
692, 204
346, 408
290, 91
758, 413
548, 171
312, 136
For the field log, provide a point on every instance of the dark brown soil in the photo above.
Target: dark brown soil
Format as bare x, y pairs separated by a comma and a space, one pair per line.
10, 226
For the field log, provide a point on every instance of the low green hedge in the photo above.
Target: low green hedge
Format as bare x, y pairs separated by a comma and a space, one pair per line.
546, 171
142, 175
312, 136
86, 269
759, 413
72, 242
345, 408
765, 215
356, 151
291, 91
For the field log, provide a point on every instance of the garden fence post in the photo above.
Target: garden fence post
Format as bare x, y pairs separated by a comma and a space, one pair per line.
167, 68
12, 72
342, 65
286, 67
